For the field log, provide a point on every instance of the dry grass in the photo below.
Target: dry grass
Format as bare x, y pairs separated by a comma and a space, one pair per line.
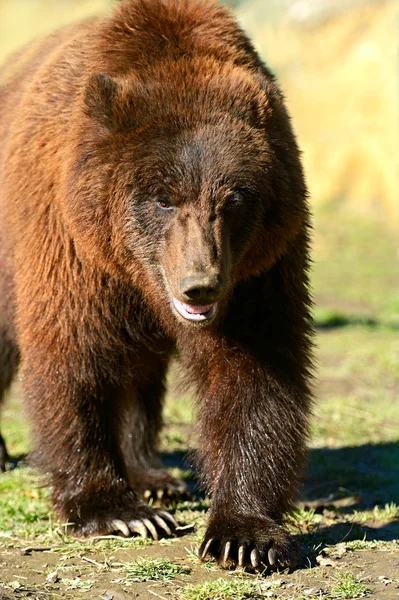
341, 82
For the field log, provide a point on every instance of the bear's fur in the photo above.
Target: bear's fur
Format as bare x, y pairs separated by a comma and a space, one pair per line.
151, 200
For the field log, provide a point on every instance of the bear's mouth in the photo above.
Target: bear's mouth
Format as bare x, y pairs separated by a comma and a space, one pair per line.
195, 313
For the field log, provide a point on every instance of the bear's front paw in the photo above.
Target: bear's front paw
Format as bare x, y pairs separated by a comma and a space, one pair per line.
249, 541
123, 514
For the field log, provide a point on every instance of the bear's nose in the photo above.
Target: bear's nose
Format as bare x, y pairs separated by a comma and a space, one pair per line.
201, 288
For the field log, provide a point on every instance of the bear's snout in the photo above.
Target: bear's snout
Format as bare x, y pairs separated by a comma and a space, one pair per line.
199, 293
201, 288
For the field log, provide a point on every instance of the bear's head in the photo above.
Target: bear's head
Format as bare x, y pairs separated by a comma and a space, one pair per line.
188, 176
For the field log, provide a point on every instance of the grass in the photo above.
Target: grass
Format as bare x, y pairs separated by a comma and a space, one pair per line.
358, 545
222, 589
355, 275
303, 520
156, 569
349, 586
24, 505
379, 513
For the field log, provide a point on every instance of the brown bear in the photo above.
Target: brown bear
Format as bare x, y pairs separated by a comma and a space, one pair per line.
152, 200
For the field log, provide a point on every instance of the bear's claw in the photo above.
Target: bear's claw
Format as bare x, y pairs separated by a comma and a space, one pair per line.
145, 525
226, 552
204, 548
241, 555
255, 558
137, 526
161, 523
118, 525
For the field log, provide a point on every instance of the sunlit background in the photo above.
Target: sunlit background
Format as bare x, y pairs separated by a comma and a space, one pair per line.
337, 61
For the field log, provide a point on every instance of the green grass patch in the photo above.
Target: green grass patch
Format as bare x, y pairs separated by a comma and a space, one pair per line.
379, 513
222, 589
153, 569
303, 520
359, 545
24, 504
355, 264
14, 423
349, 586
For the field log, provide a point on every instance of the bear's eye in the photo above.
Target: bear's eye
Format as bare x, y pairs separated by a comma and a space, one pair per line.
165, 204
235, 198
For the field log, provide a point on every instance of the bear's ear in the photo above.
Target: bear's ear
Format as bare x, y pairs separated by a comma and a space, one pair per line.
100, 98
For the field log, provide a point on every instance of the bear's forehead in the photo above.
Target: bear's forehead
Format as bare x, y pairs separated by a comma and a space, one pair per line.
216, 155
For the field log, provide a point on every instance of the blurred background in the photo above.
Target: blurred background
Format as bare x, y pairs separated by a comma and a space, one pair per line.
337, 63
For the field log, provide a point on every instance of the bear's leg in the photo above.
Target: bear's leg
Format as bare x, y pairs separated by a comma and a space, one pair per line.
141, 422
72, 384
253, 383
253, 429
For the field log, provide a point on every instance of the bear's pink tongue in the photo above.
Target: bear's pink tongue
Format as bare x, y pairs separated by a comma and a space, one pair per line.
195, 313
197, 310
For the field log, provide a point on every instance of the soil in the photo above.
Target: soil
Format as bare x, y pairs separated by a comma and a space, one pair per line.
379, 570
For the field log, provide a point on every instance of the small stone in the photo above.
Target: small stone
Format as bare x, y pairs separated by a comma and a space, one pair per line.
325, 561
385, 580
52, 577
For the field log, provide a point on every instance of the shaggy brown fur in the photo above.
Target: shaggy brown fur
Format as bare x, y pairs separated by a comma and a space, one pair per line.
152, 199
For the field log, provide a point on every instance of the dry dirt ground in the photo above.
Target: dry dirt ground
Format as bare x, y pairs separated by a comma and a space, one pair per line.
102, 578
